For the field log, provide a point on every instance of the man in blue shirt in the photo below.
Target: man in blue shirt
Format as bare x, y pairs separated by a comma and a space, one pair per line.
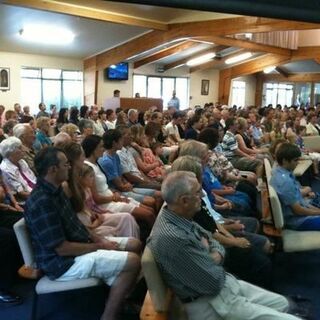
298, 213
174, 101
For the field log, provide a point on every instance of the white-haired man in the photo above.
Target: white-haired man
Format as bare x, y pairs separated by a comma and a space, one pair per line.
132, 117
190, 261
26, 134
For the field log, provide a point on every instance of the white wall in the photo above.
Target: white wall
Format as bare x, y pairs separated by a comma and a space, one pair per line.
195, 87
15, 61
250, 90
106, 87
309, 38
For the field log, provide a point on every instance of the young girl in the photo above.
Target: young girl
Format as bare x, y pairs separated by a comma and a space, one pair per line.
154, 157
147, 162
94, 217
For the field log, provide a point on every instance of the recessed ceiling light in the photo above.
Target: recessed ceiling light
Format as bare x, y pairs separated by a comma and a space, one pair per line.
269, 69
239, 57
202, 59
44, 34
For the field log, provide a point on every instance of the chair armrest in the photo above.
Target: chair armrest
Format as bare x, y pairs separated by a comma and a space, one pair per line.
149, 313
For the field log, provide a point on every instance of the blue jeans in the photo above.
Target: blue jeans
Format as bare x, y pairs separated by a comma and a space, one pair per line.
138, 194
310, 224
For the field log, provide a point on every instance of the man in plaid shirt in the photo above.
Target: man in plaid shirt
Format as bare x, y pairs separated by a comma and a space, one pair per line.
64, 249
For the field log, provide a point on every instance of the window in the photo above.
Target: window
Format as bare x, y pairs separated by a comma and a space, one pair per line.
278, 93
302, 94
51, 86
316, 93
238, 93
162, 87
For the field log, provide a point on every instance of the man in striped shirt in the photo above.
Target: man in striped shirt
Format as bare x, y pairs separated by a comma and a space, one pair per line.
190, 261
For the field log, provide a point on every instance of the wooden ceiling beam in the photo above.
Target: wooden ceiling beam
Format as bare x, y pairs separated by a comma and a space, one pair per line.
196, 29
258, 64
87, 12
222, 27
297, 77
213, 63
305, 53
130, 49
165, 53
198, 54
253, 46
317, 60
282, 72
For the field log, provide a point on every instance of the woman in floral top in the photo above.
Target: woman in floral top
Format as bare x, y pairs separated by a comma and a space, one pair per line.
220, 166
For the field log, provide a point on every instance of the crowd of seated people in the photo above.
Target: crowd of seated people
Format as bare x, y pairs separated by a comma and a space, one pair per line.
91, 184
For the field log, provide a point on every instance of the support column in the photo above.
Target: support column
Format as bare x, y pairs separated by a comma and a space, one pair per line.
90, 81
224, 86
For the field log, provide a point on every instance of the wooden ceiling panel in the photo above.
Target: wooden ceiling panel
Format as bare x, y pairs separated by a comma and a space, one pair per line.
258, 64
216, 62
196, 29
252, 46
184, 60
166, 52
87, 12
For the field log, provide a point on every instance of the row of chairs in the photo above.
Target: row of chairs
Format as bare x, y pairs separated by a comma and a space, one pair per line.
160, 303
292, 240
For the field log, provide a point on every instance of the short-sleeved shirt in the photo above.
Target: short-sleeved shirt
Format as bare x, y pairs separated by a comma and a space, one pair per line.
191, 134
229, 144
210, 182
51, 221
174, 102
256, 133
110, 165
17, 177
29, 155
172, 129
41, 141
288, 190
128, 164
185, 263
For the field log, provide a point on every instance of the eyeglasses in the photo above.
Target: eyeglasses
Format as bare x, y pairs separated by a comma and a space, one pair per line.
198, 193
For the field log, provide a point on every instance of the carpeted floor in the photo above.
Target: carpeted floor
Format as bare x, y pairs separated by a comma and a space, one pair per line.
294, 273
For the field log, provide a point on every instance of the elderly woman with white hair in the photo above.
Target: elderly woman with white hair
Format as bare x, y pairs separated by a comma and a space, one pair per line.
15, 170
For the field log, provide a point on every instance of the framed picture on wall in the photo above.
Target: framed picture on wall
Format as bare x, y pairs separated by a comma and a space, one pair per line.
4, 79
205, 87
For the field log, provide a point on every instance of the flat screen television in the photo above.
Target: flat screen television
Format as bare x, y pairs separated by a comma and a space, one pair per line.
118, 71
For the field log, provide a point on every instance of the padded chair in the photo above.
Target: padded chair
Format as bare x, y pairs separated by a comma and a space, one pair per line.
292, 240
45, 285
164, 302
312, 143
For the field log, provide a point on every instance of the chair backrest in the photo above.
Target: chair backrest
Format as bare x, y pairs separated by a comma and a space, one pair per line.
312, 142
159, 292
276, 208
268, 169
24, 240
274, 199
